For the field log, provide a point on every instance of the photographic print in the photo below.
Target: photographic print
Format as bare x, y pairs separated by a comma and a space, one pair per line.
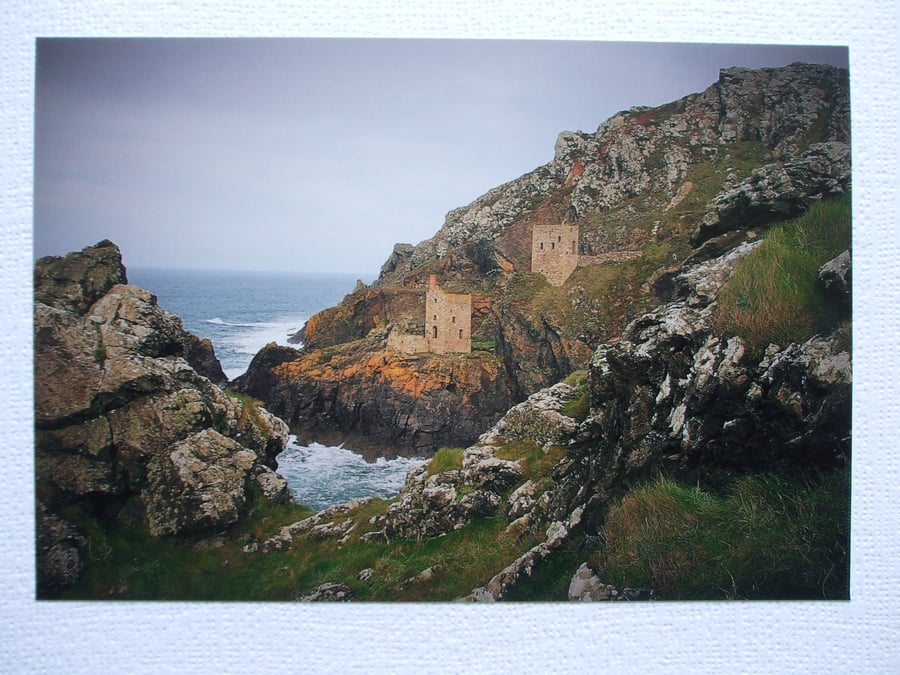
441, 320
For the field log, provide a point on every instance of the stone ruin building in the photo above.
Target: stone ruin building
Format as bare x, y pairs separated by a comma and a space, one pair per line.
554, 251
448, 324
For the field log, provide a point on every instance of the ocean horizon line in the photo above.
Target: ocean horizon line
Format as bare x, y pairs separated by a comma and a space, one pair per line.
366, 277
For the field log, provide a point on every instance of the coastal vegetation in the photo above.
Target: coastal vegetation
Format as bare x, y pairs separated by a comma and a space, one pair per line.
128, 563
445, 459
671, 420
773, 295
766, 537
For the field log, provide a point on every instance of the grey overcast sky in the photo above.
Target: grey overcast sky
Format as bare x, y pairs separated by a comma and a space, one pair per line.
319, 154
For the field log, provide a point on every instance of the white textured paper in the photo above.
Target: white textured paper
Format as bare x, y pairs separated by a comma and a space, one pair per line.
107, 637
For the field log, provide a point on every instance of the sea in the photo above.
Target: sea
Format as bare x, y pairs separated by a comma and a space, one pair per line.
241, 312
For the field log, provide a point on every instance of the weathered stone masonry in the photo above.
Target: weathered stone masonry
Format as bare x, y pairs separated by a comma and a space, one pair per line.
448, 324
554, 251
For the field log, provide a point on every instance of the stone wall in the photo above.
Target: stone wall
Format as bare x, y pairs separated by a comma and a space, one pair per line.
554, 251
448, 320
448, 325
406, 343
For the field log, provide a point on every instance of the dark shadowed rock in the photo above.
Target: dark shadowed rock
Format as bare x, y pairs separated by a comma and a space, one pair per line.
835, 277
58, 559
199, 353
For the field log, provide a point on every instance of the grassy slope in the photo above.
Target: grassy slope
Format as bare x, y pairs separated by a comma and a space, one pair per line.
767, 538
127, 563
615, 293
774, 295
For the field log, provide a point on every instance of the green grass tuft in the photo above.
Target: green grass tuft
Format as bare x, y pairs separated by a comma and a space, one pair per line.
768, 538
773, 295
484, 345
445, 459
579, 406
535, 462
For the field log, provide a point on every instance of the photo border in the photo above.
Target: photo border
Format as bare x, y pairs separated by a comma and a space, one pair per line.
858, 635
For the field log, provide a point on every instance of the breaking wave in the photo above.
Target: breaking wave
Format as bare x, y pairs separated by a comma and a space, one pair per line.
320, 476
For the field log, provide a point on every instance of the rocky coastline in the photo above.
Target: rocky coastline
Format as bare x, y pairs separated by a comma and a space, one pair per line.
576, 395
649, 190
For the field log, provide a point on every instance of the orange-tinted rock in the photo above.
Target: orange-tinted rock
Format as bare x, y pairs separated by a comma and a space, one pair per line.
414, 403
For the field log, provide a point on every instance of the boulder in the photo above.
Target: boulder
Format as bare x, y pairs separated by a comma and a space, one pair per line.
199, 483
76, 281
586, 586
835, 277
329, 592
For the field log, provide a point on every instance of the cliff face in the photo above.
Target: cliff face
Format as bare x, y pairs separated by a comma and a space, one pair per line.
677, 395
648, 189
128, 427
386, 400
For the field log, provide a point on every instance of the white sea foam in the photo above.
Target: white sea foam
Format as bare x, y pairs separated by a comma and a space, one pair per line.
219, 321
242, 345
320, 476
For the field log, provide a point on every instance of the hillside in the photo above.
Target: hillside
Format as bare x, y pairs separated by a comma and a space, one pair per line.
648, 190
661, 411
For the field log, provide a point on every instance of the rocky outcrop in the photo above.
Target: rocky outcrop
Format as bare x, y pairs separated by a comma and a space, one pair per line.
523, 567
200, 483
779, 191
673, 394
332, 523
639, 151
363, 313
406, 403
431, 504
124, 425
539, 419
76, 281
